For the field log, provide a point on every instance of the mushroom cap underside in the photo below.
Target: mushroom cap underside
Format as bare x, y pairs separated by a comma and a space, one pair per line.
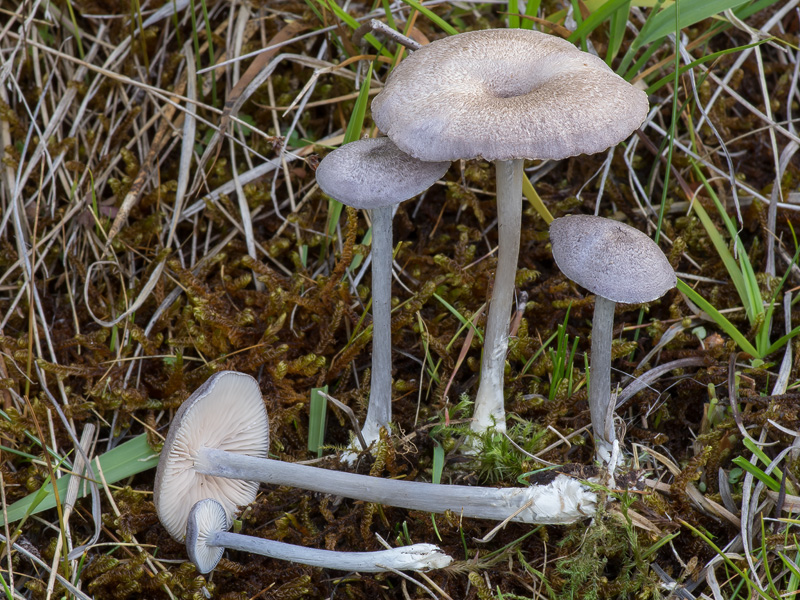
503, 94
206, 517
610, 259
374, 172
226, 413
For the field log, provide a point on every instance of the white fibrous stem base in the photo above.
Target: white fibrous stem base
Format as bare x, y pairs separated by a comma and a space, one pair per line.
371, 434
489, 410
564, 500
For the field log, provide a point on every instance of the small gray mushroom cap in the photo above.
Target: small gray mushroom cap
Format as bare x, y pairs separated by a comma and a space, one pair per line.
503, 94
231, 417
374, 172
610, 259
205, 518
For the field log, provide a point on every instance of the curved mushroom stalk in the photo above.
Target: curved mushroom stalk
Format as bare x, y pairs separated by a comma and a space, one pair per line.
200, 461
617, 263
207, 537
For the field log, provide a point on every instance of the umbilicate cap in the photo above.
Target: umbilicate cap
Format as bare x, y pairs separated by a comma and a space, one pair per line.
504, 94
611, 259
374, 172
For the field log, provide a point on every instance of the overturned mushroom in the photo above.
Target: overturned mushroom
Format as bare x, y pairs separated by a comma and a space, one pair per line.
207, 537
504, 95
617, 263
203, 459
375, 174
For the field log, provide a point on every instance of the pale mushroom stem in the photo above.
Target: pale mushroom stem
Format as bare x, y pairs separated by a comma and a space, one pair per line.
419, 557
379, 413
489, 403
600, 381
564, 500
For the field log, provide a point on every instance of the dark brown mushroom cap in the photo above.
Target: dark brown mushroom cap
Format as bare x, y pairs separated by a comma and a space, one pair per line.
374, 172
610, 259
502, 94
227, 413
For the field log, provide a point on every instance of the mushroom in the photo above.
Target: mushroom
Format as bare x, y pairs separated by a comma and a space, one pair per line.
504, 95
203, 419
207, 537
374, 174
617, 263
203, 458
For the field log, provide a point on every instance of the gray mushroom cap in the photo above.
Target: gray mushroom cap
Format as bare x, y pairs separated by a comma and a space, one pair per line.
205, 518
374, 172
230, 417
504, 94
610, 259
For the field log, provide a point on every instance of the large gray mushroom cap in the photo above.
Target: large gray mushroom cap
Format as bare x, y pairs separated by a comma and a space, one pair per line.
374, 172
226, 413
504, 94
610, 259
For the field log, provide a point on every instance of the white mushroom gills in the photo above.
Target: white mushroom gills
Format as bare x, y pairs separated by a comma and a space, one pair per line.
504, 95
617, 263
207, 537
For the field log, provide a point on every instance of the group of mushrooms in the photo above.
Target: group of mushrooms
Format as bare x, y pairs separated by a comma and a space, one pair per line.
499, 95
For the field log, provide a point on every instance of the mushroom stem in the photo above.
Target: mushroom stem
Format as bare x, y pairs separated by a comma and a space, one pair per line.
489, 403
207, 536
600, 381
408, 558
379, 413
563, 500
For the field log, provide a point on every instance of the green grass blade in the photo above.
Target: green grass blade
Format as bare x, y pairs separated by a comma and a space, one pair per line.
737, 278
345, 17
129, 458
464, 321
616, 30
513, 14
744, 464
752, 297
531, 10
432, 17
782, 341
317, 410
354, 128
690, 13
598, 17
438, 463
630, 53
719, 319
658, 84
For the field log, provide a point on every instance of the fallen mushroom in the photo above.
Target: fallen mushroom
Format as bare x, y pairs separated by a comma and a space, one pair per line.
210, 453
504, 95
207, 537
375, 174
617, 263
